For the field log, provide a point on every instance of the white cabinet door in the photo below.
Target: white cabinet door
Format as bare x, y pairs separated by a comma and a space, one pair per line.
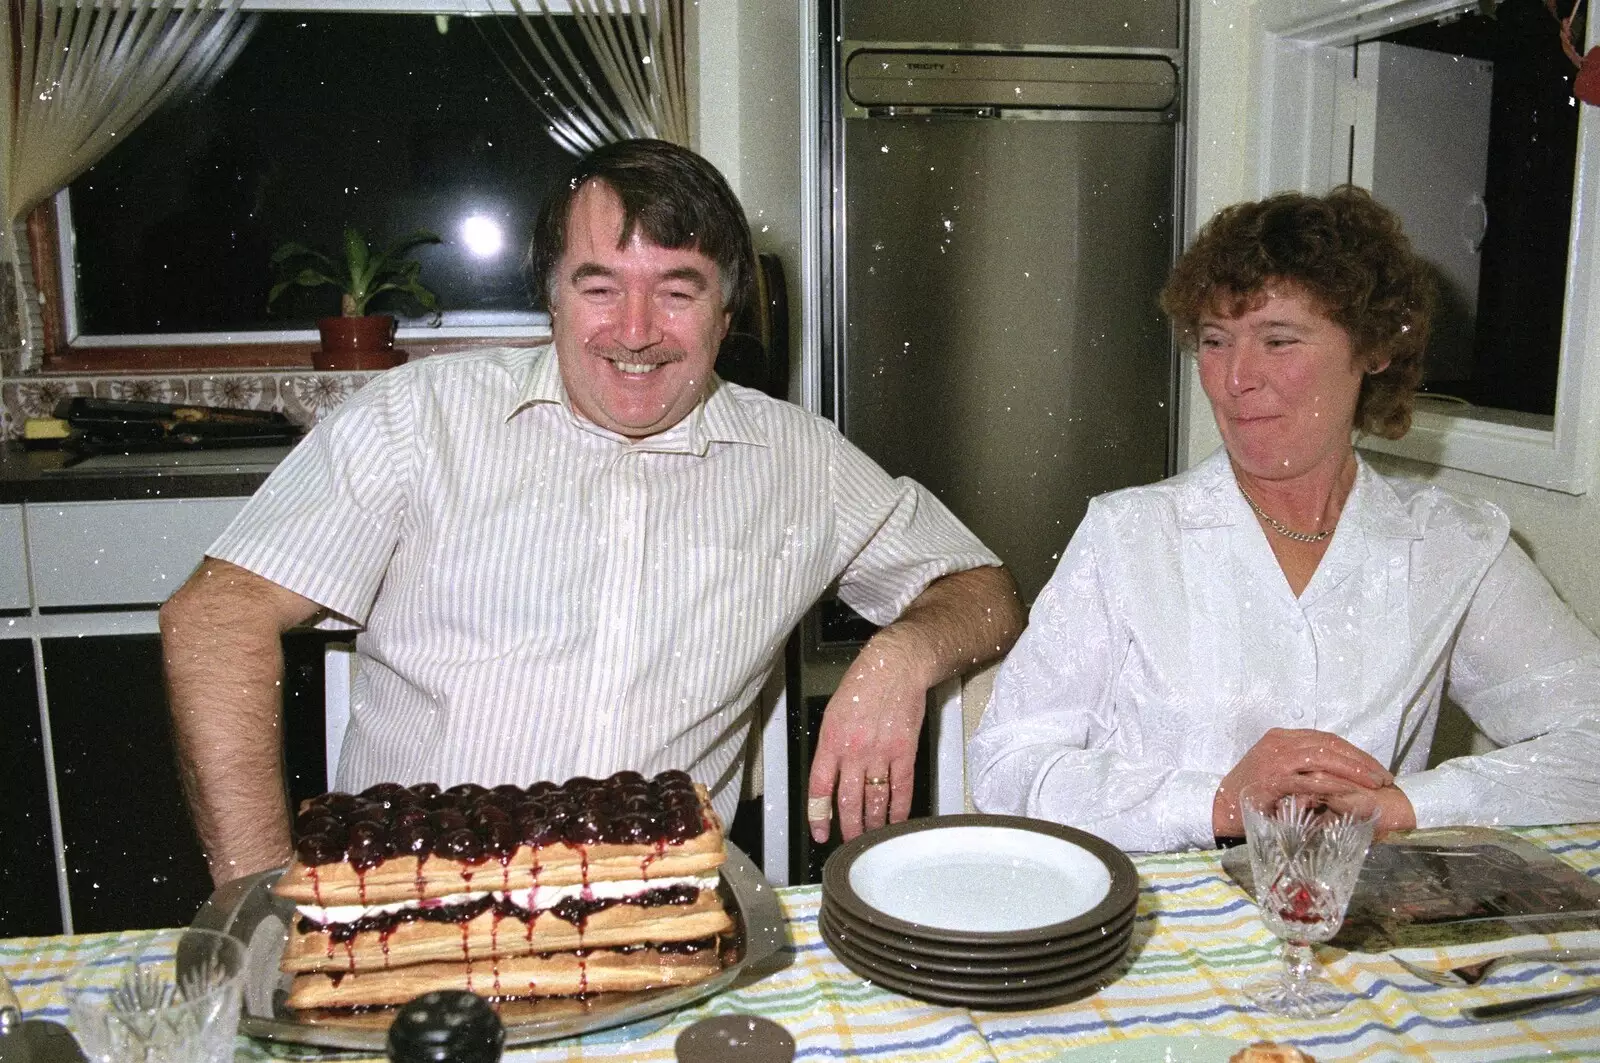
1419, 141
85, 554
13, 560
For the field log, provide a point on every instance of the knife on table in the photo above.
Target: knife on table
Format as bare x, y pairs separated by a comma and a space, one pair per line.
1513, 1009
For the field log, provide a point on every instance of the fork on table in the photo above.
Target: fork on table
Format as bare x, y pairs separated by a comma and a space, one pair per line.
1470, 974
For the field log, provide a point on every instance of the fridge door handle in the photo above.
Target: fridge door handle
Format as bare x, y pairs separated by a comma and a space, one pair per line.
933, 112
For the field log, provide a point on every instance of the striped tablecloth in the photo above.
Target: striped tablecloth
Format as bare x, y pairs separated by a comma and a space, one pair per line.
1197, 938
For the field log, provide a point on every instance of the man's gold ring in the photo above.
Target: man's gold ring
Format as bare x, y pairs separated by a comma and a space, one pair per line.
876, 780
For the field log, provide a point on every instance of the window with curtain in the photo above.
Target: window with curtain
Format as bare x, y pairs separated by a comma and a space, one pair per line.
385, 122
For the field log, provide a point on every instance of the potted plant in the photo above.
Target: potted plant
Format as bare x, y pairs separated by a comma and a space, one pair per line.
356, 339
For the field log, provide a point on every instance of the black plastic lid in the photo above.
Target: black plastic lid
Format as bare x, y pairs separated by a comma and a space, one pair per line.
446, 1026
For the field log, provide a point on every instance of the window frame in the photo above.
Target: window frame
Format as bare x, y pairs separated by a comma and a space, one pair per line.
49, 246
1303, 52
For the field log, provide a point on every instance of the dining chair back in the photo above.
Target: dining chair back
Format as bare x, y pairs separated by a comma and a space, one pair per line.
954, 708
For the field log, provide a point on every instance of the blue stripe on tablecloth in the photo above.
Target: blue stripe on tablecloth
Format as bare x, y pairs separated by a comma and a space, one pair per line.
888, 1048
1183, 913
1185, 884
1412, 1024
1097, 1022
1307, 1041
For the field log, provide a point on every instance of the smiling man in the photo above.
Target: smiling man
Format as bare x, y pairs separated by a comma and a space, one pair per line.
581, 558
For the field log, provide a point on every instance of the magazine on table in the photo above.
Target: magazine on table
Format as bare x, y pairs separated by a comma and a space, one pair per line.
1455, 886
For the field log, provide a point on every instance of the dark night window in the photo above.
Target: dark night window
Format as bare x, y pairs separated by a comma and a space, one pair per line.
384, 122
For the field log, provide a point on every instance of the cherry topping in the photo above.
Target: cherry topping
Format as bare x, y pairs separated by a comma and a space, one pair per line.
540, 830
460, 845
315, 821
681, 824
629, 829
503, 839
369, 845
466, 791
585, 828
340, 804
415, 838
369, 812
671, 799
317, 849
485, 816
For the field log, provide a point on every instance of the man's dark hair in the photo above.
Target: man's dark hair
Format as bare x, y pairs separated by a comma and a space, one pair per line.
676, 198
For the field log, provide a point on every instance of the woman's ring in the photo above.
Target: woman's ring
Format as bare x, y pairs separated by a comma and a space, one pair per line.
876, 780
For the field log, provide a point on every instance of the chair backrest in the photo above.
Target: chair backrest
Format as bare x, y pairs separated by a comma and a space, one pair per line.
338, 677
339, 667
954, 708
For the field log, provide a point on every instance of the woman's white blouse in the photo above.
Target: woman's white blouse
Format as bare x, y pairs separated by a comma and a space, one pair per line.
1168, 641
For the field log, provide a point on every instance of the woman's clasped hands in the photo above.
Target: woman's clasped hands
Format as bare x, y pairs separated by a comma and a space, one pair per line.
1304, 760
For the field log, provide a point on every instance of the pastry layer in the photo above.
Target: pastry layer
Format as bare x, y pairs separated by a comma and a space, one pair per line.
535, 975
404, 878
493, 932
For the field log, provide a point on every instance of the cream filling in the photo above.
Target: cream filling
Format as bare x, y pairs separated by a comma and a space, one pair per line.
533, 899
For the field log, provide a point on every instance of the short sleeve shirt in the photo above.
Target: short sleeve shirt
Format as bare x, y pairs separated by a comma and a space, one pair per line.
539, 597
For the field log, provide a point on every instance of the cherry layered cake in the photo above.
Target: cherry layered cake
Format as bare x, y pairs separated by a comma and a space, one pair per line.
587, 887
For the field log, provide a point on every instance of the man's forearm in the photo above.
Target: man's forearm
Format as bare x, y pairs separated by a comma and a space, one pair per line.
223, 660
959, 622
867, 747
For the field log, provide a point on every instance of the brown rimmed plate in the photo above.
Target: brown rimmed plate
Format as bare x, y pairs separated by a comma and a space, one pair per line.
247, 909
936, 951
976, 975
988, 1000
981, 880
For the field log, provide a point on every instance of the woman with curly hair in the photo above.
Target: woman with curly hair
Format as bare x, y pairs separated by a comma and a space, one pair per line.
1282, 613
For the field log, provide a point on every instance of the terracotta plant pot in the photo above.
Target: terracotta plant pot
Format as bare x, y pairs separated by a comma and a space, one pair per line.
357, 343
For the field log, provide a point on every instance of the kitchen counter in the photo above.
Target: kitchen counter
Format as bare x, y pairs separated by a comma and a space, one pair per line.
51, 475
89, 791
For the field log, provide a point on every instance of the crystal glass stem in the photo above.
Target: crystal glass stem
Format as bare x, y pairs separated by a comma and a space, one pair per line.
1300, 963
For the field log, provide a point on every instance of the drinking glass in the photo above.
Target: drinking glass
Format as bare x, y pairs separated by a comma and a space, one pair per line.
156, 1001
1305, 858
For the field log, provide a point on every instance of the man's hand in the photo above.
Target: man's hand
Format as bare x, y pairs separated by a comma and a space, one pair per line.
867, 749
1304, 761
868, 743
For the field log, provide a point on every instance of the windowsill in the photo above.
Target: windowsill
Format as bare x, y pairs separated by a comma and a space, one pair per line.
237, 358
1505, 444
1465, 413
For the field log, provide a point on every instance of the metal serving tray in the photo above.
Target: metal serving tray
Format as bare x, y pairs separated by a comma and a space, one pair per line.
247, 910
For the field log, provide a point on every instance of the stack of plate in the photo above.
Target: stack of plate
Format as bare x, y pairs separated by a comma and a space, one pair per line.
980, 911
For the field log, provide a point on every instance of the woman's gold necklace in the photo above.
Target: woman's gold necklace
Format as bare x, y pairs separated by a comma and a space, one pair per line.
1281, 528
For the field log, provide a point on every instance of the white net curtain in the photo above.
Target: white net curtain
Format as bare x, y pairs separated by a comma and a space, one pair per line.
77, 75
638, 50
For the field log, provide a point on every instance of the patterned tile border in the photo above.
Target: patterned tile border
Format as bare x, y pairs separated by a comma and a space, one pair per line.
305, 397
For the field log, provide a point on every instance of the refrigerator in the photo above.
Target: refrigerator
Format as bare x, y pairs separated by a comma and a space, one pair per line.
1002, 220
999, 188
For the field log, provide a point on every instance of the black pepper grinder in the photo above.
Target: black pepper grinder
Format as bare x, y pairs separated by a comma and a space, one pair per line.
446, 1026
